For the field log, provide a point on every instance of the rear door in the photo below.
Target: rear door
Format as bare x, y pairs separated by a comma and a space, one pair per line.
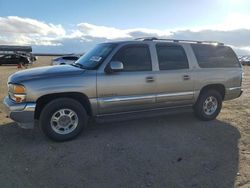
175, 80
131, 89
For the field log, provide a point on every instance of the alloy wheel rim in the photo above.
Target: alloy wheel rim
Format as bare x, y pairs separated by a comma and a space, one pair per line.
210, 105
64, 121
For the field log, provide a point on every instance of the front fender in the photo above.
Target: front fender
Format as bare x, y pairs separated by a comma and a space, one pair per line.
85, 84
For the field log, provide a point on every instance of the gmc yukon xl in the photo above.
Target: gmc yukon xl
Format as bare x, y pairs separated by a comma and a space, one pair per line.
123, 79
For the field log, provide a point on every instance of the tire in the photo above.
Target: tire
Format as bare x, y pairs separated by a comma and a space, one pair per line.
63, 119
208, 98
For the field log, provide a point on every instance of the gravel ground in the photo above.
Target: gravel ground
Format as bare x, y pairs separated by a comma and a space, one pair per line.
168, 151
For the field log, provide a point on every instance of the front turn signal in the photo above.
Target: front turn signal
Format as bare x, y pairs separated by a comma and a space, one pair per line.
18, 89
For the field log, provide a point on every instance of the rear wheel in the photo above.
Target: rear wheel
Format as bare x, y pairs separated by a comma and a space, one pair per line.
208, 105
63, 119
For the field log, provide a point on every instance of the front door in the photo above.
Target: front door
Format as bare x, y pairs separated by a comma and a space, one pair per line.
133, 88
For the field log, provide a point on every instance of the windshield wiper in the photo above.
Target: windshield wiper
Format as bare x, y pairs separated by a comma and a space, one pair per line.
78, 65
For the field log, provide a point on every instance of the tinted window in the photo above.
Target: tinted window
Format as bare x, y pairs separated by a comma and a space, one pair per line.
209, 56
134, 58
171, 57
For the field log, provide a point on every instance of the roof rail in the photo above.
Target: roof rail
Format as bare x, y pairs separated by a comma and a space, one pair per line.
147, 38
179, 40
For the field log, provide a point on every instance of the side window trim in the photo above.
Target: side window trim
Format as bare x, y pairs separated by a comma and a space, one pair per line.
171, 45
135, 45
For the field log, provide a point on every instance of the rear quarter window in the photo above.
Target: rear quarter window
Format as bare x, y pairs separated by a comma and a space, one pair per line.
210, 56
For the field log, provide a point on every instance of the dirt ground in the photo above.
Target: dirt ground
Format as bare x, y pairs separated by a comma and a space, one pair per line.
169, 151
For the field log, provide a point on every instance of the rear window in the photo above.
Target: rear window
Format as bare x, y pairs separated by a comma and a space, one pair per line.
210, 56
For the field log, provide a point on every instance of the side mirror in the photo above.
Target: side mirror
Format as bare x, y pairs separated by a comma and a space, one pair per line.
114, 66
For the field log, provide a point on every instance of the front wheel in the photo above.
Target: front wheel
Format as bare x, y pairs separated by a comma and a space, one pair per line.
208, 105
63, 119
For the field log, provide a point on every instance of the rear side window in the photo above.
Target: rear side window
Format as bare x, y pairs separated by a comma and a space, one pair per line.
171, 57
209, 56
134, 58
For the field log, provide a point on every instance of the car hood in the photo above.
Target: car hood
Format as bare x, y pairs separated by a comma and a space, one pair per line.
44, 72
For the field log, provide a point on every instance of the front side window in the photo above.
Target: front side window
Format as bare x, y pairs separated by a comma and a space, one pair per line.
210, 56
93, 58
134, 58
171, 57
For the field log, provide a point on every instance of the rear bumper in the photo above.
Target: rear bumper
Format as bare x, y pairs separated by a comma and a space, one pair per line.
22, 113
233, 92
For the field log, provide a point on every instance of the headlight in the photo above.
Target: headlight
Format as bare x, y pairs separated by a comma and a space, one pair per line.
17, 92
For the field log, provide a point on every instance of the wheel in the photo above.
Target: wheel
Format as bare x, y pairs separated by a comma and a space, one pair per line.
208, 105
63, 119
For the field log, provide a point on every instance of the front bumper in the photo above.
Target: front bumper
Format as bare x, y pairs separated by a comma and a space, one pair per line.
22, 113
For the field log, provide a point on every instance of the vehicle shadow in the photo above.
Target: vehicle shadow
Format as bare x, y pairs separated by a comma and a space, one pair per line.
170, 151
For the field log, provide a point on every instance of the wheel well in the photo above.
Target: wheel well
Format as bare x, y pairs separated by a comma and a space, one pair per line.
42, 101
218, 87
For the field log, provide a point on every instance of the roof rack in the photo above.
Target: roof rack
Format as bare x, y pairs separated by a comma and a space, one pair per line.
178, 40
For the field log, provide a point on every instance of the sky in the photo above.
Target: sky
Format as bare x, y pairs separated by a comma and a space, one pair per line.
74, 26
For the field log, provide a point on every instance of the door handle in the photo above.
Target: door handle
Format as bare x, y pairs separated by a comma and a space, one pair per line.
186, 77
150, 79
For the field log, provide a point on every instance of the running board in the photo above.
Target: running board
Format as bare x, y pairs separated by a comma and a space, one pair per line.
141, 114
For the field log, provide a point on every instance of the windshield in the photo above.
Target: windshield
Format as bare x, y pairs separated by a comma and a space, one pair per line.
96, 56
